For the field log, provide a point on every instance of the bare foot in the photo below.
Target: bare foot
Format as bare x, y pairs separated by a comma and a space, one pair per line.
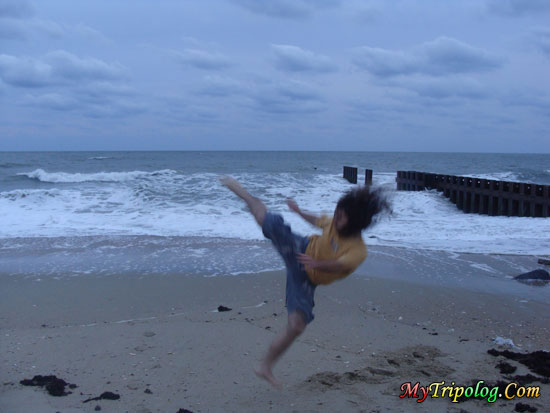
265, 373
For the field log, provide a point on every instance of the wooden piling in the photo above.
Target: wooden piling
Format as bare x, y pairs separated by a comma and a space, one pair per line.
368, 176
350, 173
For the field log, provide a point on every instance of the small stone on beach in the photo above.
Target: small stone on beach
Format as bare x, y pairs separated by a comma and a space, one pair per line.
105, 395
534, 275
223, 308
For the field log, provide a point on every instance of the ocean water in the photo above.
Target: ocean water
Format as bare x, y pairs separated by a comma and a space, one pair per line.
163, 212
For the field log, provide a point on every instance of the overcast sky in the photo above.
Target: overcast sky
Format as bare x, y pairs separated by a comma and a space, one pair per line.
380, 75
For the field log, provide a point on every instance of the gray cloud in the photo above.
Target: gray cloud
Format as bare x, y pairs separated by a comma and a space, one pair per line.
12, 14
219, 86
24, 71
513, 8
366, 15
294, 59
288, 98
97, 100
202, 59
528, 99
54, 101
89, 33
19, 29
56, 68
17, 21
11, 29
541, 40
286, 9
444, 88
68, 66
440, 57
15, 8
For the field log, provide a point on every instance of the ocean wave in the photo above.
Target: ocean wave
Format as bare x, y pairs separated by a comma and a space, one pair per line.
20, 194
11, 164
497, 176
165, 204
65, 177
99, 158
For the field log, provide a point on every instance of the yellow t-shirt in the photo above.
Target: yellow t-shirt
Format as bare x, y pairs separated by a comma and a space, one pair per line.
331, 246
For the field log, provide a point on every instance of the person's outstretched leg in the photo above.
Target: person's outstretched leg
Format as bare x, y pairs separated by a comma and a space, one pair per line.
296, 326
285, 242
257, 207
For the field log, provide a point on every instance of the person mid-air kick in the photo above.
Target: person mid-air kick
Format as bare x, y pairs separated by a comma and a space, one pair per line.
314, 260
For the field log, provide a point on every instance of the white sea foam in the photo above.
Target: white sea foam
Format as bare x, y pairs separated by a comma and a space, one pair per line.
64, 177
168, 203
496, 176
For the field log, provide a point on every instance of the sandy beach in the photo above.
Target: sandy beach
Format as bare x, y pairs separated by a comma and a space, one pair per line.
161, 345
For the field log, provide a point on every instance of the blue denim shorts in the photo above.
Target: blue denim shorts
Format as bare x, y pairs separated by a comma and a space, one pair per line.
299, 288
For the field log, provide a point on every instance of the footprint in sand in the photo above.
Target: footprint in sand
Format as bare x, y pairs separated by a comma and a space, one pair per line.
414, 361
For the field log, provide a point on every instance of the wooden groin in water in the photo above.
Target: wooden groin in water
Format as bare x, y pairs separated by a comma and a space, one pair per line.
482, 196
350, 173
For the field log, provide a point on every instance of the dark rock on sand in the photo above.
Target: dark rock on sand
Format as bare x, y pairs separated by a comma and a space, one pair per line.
537, 361
53, 385
524, 407
534, 275
184, 411
105, 395
223, 308
505, 368
528, 379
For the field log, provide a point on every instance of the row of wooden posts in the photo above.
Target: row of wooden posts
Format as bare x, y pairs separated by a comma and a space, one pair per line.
475, 195
350, 173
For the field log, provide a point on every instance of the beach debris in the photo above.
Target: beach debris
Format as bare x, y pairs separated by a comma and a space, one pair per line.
528, 379
223, 308
97, 408
505, 368
501, 341
107, 395
184, 411
534, 275
537, 361
54, 386
147, 391
524, 407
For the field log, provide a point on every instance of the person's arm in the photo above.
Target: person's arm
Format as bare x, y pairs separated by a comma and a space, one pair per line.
312, 219
335, 266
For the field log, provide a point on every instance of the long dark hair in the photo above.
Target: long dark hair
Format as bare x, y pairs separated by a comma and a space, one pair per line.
363, 206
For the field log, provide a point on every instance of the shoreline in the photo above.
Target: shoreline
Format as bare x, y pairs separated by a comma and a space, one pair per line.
226, 257
130, 333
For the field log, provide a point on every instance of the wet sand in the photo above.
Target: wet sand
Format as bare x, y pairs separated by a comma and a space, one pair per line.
159, 342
